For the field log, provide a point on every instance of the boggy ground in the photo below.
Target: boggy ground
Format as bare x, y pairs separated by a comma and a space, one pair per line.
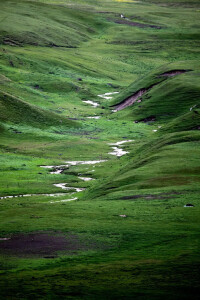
45, 244
126, 233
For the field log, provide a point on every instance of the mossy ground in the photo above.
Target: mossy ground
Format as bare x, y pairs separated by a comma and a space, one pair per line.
54, 55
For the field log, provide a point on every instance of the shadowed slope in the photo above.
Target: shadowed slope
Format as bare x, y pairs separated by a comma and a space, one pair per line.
14, 110
188, 121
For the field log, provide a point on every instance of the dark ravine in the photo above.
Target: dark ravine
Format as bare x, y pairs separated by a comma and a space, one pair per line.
173, 73
135, 97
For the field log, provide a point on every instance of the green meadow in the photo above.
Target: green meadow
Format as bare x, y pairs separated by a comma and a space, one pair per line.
82, 218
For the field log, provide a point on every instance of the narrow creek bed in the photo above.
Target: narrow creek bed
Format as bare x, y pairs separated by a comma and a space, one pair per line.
58, 169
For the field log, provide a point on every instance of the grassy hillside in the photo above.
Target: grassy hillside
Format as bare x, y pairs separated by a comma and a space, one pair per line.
188, 121
168, 96
14, 110
161, 165
77, 221
45, 24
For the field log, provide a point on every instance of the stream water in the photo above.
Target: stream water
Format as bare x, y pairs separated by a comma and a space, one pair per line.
58, 169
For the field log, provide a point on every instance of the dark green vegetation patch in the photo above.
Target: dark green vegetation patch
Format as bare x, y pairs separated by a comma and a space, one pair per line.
99, 149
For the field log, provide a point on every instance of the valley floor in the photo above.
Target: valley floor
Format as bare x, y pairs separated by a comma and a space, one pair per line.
99, 150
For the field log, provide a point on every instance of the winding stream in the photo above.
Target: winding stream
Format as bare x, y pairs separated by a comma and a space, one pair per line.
118, 151
58, 169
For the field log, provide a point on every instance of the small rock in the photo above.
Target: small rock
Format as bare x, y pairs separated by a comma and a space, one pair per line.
189, 205
123, 216
11, 63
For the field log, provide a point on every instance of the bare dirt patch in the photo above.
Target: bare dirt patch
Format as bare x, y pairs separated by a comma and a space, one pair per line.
137, 95
140, 25
132, 99
161, 196
44, 244
173, 73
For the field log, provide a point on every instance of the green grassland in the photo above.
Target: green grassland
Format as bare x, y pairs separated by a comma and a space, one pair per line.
55, 54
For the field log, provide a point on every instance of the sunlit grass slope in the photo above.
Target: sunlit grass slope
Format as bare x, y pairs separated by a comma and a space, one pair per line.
169, 97
140, 241
37, 23
14, 110
170, 161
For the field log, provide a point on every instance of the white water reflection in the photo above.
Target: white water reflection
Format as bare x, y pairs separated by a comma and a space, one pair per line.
119, 151
120, 143
31, 195
64, 187
95, 117
85, 178
84, 162
94, 104
59, 171
67, 200
107, 95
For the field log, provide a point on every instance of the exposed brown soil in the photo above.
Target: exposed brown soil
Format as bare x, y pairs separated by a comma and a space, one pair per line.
151, 197
45, 244
140, 25
132, 99
173, 73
